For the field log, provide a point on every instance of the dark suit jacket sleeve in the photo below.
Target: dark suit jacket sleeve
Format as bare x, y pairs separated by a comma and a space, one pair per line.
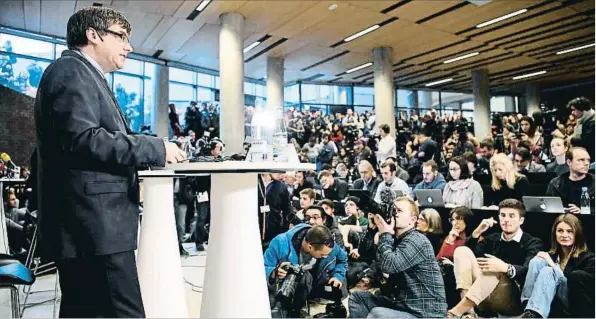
76, 115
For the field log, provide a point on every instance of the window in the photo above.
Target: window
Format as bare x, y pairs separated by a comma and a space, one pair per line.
502, 104
133, 67
59, 49
261, 90
249, 88
457, 101
364, 95
149, 103
428, 99
406, 99
21, 74
204, 95
14, 44
128, 92
205, 80
180, 75
291, 94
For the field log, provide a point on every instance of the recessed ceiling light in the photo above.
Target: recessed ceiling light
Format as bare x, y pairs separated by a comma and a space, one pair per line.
361, 33
439, 82
501, 18
576, 49
360, 67
202, 5
332, 7
252, 46
461, 57
528, 75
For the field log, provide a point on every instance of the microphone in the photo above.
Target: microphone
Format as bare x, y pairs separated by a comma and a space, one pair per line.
6, 159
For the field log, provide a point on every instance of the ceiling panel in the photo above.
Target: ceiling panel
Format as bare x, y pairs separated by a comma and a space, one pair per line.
266, 16
416, 10
178, 34
158, 32
55, 15
32, 9
373, 5
80, 4
203, 47
142, 25
167, 8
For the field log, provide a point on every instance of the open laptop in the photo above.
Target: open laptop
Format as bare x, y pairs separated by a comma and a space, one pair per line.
544, 204
430, 197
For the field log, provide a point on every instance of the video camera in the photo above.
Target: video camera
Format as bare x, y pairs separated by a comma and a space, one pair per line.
285, 294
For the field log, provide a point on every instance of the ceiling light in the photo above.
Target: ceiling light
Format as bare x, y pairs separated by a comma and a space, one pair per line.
361, 33
203, 5
528, 75
365, 65
252, 46
507, 16
439, 82
462, 57
575, 49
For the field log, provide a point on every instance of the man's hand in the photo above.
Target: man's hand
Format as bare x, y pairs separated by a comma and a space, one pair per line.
383, 226
544, 255
173, 153
335, 282
573, 209
492, 264
371, 221
484, 225
281, 273
377, 236
354, 253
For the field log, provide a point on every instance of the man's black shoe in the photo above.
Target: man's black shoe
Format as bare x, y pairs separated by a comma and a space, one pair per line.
200, 247
530, 314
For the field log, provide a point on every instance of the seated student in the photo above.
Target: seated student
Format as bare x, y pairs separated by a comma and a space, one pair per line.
301, 183
550, 274
461, 222
307, 198
333, 188
362, 255
488, 272
391, 182
314, 250
414, 286
506, 181
432, 179
558, 148
462, 190
368, 180
429, 223
524, 162
354, 222
569, 186
316, 216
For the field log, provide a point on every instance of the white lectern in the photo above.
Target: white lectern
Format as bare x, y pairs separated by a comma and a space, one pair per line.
235, 284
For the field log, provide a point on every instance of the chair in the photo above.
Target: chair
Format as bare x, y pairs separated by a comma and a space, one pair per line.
13, 273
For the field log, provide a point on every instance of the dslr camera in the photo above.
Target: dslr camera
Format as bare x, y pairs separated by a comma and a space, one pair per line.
285, 294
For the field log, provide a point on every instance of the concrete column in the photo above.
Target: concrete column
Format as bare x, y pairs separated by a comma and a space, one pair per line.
159, 119
231, 73
532, 98
384, 89
481, 104
275, 83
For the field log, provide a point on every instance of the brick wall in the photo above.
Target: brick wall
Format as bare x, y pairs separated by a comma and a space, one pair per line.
17, 126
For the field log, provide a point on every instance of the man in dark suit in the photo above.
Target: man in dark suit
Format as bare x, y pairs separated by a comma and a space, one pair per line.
87, 178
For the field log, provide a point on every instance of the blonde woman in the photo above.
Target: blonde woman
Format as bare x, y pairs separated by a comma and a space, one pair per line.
430, 224
506, 182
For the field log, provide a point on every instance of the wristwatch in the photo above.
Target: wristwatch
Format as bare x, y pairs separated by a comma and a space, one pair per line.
511, 271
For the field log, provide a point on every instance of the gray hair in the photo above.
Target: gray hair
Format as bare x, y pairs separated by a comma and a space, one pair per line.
98, 18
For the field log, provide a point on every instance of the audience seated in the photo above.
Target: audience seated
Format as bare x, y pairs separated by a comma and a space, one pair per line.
488, 272
368, 180
568, 259
462, 190
332, 188
301, 183
558, 148
569, 186
432, 179
307, 199
506, 181
396, 185
429, 223
524, 162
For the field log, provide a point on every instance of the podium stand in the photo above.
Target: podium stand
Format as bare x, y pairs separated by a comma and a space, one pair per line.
235, 284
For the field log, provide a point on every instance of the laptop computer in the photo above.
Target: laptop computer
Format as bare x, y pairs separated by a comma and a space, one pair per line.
544, 204
430, 197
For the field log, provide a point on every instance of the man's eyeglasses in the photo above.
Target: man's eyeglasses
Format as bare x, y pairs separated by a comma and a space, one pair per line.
123, 37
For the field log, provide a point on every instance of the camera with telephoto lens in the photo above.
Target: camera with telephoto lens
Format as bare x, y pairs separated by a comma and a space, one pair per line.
285, 294
335, 309
386, 207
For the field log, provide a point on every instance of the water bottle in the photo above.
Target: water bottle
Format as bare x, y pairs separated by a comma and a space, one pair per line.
280, 137
585, 201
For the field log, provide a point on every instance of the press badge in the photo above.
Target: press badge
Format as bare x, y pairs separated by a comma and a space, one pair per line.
265, 209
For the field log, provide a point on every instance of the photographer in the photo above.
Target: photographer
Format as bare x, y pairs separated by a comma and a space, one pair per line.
416, 287
321, 263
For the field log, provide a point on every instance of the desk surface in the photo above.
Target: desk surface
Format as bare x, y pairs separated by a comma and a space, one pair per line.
229, 167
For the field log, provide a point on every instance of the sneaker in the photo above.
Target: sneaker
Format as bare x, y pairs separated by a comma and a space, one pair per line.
530, 314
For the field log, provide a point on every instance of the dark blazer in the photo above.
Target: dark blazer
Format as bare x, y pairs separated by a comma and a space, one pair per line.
372, 186
87, 163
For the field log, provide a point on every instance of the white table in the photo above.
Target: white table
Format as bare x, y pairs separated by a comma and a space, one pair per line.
235, 284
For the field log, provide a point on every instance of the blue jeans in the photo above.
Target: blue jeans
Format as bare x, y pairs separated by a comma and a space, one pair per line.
364, 304
543, 285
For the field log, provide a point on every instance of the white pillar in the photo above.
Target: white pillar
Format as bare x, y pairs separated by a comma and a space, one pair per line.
384, 89
481, 104
275, 83
532, 98
161, 82
231, 73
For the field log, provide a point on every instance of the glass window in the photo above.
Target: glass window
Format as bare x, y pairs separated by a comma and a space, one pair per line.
406, 99
310, 93
21, 74
428, 99
14, 44
362, 109
261, 90
181, 92
59, 49
205, 80
149, 103
249, 88
180, 75
291, 94
204, 95
133, 67
364, 95
128, 92
457, 101
217, 82
502, 104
